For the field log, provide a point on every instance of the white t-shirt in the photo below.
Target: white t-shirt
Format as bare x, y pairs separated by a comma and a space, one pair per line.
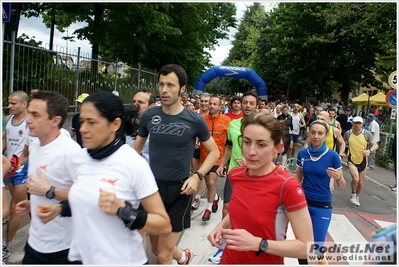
97, 237
295, 123
16, 138
53, 236
145, 152
375, 128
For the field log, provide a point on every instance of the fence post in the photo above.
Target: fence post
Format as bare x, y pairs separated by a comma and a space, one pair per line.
12, 58
138, 78
77, 81
116, 73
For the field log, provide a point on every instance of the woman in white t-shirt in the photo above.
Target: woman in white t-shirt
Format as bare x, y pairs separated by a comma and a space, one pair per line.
110, 182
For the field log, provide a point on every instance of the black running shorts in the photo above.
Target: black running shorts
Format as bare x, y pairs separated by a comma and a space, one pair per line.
177, 206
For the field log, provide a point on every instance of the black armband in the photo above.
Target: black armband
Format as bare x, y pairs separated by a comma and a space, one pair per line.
135, 219
228, 142
65, 209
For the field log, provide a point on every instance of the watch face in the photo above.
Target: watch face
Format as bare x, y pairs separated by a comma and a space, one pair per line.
263, 245
127, 214
50, 195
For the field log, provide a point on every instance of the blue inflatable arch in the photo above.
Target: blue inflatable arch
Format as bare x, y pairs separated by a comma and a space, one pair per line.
231, 72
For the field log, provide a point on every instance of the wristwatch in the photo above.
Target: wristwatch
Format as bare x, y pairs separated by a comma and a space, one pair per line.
200, 175
127, 213
262, 247
50, 192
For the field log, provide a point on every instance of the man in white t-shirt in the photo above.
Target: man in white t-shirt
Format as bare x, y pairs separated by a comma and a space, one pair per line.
15, 136
374, 129
48, 181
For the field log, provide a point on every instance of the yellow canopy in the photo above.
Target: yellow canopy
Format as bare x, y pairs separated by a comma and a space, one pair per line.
378, 100
362, 99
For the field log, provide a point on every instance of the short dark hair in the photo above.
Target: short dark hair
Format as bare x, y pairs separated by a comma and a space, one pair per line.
234, 98
178, 70
252, 93
152, 98
57, 105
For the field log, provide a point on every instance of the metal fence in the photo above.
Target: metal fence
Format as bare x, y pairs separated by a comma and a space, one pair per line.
69, 73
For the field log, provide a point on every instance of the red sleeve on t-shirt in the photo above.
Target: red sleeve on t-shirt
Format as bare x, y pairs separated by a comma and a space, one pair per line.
293, 196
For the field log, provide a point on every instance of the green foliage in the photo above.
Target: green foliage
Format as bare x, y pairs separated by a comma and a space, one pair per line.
150, 34
385, 159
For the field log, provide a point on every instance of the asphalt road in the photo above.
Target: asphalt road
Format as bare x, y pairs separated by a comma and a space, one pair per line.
377, 201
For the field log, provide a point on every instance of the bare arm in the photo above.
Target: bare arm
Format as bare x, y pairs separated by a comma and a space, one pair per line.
139, 143
338, 126
341, 142
39, 186
226, 156
299, 174
191, 184
302, 227
302, 120
242, 240
25, 156
157, 223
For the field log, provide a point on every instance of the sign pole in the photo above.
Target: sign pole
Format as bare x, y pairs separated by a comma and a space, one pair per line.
391, 100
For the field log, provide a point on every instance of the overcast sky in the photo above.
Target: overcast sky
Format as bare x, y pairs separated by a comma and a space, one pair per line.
35, 27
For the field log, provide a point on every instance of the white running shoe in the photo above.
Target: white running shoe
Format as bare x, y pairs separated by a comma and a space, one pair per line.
353, 199
217, 256
195, 204
357, 202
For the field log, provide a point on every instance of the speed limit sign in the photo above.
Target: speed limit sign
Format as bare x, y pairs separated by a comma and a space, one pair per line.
393, 80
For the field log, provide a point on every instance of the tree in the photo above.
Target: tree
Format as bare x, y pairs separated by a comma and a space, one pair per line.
151, 34
328, 46
244, 50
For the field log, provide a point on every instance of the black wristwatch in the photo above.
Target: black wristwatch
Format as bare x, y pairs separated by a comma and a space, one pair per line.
127, 213
262, 247
200, 175
50, 192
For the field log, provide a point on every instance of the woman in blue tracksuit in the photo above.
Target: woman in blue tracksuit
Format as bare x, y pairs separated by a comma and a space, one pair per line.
318, 168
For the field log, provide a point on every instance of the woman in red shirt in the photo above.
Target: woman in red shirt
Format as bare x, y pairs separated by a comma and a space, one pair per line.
264, 199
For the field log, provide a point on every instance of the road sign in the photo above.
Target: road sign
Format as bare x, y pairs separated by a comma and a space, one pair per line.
393, 79
6, 12
391, 99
